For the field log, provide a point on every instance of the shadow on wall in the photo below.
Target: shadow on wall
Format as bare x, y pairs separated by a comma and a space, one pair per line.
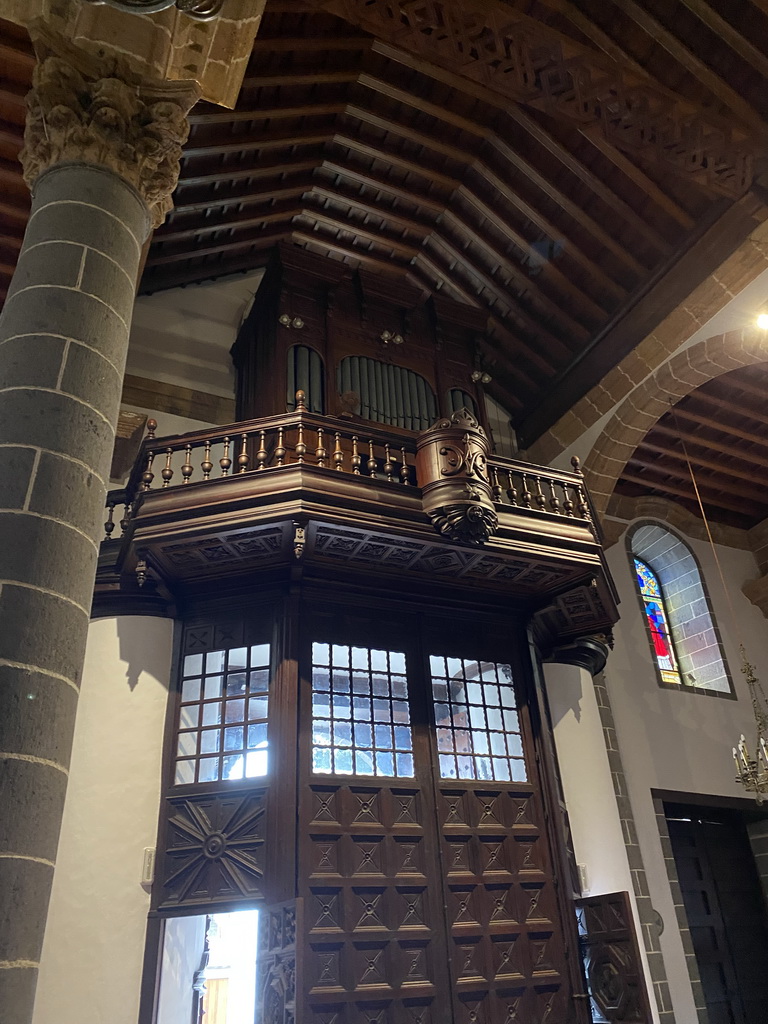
144, 648
569, 693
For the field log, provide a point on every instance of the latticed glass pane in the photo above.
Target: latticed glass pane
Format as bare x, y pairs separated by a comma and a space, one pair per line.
478, 729
361, 719
658, 624
222, 730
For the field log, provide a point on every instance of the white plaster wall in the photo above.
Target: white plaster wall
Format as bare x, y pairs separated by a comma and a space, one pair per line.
680, 740
183, 336
94, 942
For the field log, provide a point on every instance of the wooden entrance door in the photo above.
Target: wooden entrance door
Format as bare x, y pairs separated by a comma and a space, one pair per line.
425, 865
726, 912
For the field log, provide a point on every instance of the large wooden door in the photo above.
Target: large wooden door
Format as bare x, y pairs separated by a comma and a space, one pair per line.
424, 865
725, 910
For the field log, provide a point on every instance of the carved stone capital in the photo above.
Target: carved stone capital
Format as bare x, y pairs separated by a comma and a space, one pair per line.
83, 109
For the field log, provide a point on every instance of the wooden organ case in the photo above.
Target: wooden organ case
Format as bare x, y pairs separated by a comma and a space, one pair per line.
366, 592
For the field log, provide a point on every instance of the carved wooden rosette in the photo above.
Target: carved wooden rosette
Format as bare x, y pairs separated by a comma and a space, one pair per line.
451, 467
85, 110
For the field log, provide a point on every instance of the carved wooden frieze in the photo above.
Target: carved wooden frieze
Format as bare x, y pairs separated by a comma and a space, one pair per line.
452, 469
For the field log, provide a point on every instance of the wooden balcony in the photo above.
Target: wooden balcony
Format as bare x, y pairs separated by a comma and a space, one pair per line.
338, 500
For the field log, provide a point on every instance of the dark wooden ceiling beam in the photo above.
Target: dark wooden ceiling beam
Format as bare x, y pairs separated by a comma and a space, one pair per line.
206, 199
725, 30
164, 278
223, 116
706, 398
156, 259
255, 172
698, 461
226, 144
703, 481
204, 226
716, 445
382, 184
614, 202
715, 501
711, 81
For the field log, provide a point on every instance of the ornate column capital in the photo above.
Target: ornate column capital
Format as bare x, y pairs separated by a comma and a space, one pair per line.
86, 109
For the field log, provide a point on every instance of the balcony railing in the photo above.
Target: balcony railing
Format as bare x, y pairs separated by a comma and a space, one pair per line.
338, 446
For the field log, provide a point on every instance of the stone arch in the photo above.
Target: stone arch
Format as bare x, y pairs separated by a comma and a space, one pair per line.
648, 402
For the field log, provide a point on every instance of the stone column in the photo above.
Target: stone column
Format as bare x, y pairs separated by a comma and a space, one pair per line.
101, 155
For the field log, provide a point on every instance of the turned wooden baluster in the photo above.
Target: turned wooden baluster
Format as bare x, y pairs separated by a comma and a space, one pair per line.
126, 517
261, 454
281, 449
404, 469
495, 485
301, 448
567, 503
538, 497
166, 472
371, 463
320, 453
301, 401
148, 476
356, 457
187, 469
225, 462
109, 526
388, 464
526, 494
243, 458
206, 465
554, 501
581, 495
338, 454
511, 489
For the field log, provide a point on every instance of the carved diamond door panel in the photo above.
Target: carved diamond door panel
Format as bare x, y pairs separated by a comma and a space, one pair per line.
506, 945
373, 921
280, 972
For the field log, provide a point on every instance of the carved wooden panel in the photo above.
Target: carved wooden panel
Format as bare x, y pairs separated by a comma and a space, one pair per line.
279, 975
373, 950
506, 944
612, 959
213, 851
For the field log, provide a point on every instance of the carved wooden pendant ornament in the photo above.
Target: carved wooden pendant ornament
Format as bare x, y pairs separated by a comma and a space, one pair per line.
452, 468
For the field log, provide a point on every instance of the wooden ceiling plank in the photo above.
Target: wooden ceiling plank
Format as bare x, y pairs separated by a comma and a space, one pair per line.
727, 486
205, 226
682, 492
697, 461
409, 166
248, 145
731, 450
549, 268
372, 181
725, 30
521, 277
610, 198
325, 44
281, 174
614, 202
722, 403
223, 116
632, 171
419, 228
160, 280
161, 259
570, 207
595, 34
711, 81
255, 171
535, 327
292, 78
407, 251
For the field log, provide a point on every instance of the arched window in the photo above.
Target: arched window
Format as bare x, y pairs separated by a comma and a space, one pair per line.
681, 630
305, 373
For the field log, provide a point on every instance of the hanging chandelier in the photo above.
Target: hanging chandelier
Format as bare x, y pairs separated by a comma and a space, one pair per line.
752, 771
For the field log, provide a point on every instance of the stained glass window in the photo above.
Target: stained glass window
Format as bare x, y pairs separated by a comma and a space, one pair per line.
658, 623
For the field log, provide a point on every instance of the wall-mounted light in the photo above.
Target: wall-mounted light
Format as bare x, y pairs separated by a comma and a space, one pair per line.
286, 321
480, 377
391, 339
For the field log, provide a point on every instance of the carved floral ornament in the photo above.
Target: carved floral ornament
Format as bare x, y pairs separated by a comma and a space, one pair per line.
85, 110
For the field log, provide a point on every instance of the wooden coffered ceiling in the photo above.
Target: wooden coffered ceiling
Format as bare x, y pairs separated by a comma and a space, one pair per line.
571, 167
722, 428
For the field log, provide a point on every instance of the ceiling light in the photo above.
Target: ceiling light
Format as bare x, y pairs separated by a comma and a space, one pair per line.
762, 321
